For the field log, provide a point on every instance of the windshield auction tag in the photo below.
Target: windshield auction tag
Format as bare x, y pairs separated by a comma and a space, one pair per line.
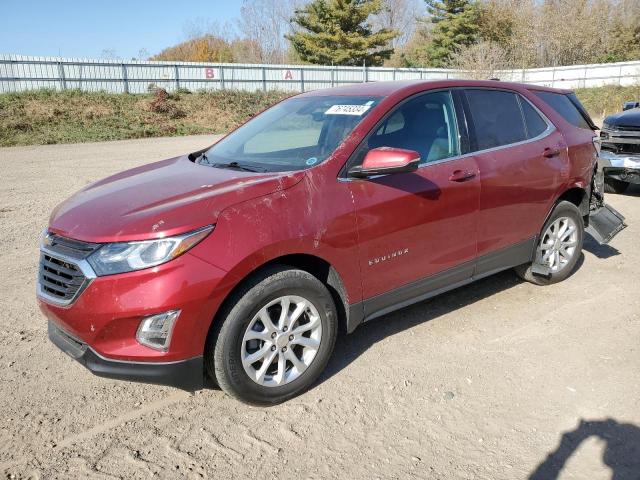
347, 110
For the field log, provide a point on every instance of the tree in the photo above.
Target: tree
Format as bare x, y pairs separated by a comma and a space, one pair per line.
204, 49
398, 15
480, 61
338, 32
264, 24
455, 25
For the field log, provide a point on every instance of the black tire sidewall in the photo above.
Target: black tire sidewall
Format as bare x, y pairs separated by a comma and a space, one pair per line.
564, 209
228, 364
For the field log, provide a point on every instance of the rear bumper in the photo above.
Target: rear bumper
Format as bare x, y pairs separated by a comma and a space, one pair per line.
183, 374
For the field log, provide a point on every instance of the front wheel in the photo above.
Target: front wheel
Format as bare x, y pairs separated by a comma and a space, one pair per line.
275, 338
559, 247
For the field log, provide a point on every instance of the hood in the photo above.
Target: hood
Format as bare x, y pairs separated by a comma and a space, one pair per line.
628, 118
160, 199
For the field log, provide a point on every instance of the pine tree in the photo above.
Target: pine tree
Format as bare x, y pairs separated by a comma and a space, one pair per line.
455, 25
337, 32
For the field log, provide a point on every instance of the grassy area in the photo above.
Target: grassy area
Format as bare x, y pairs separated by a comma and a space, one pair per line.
603, 101
46, 117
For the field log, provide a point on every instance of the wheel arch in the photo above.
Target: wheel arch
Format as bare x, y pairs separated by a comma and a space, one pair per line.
316, 266
577, 195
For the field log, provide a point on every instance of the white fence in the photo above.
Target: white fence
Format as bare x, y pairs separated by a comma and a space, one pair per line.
19, 73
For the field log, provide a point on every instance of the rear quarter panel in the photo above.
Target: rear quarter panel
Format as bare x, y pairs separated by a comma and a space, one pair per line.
579, 145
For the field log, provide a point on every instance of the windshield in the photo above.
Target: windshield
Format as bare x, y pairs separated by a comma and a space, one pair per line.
293, 135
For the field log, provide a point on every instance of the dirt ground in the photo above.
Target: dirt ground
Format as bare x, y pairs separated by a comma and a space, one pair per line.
483, 382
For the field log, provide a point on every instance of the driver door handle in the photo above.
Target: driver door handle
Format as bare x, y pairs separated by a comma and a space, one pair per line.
462, 175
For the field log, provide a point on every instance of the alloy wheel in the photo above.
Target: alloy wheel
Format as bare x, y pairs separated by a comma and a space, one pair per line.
281, 341
558, 244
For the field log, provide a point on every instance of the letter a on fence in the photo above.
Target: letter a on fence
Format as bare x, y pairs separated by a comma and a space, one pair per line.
287, 75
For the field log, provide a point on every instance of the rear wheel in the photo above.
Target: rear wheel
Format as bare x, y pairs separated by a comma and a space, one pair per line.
613, 185
559, 247
275, 338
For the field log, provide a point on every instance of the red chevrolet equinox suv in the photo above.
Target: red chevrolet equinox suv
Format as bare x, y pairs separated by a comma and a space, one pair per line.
239, 264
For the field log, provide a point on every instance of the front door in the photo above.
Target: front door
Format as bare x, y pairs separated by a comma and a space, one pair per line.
420, 225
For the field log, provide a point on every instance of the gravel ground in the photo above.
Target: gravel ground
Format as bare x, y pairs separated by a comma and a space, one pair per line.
483, 382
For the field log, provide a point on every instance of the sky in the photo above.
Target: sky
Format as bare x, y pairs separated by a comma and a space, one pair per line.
74, 28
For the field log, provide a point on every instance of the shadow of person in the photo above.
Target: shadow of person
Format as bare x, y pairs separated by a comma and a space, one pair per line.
621, 455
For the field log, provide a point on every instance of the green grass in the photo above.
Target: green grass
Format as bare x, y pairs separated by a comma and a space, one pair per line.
47, 117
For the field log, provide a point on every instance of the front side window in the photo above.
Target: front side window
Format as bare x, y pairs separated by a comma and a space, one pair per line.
425, 124
497, 118
293, 135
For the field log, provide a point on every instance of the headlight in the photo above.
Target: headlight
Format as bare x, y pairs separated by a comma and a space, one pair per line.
123, 257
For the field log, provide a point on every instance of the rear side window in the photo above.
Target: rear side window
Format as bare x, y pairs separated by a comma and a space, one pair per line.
496, 117
535, 124
564, 106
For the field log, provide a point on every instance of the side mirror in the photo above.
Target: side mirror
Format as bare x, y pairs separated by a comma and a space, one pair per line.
385, 160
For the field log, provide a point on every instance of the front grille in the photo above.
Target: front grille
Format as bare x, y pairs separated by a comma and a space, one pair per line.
625, 128
71, 248
629, 148
59, 278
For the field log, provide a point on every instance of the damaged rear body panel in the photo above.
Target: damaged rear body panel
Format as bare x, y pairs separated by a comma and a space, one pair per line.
603, 222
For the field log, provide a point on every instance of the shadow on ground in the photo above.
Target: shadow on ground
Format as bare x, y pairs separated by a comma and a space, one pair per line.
601, 251
350, 347
621, 454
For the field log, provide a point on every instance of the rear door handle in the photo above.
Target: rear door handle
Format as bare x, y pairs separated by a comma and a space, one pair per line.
551, 152
462, 176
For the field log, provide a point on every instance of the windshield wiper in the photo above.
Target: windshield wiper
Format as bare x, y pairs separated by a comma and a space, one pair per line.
236, 166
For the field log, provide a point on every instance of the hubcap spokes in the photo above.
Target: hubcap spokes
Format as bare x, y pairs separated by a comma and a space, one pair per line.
558, 244
281, 341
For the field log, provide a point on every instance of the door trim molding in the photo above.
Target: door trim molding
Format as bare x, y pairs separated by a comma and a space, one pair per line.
433, 285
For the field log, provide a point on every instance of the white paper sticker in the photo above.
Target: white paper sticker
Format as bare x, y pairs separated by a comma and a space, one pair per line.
347, 110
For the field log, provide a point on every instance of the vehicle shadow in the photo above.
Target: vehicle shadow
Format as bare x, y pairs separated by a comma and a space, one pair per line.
350, 347
621, 454
600, 251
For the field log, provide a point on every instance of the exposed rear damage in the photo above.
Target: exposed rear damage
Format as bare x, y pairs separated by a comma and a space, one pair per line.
603, 222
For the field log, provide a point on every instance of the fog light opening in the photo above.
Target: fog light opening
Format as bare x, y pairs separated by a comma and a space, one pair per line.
155, 330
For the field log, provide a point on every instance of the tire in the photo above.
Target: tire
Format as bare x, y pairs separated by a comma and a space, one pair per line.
563, 210
613, 185
248, 328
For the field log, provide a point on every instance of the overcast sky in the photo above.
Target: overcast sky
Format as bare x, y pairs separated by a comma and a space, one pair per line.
75, 28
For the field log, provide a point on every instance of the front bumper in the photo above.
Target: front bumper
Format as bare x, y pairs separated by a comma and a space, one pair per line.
184, 374
621, 166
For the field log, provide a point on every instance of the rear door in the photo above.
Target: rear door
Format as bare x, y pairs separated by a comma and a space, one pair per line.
414, 225
522, 160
